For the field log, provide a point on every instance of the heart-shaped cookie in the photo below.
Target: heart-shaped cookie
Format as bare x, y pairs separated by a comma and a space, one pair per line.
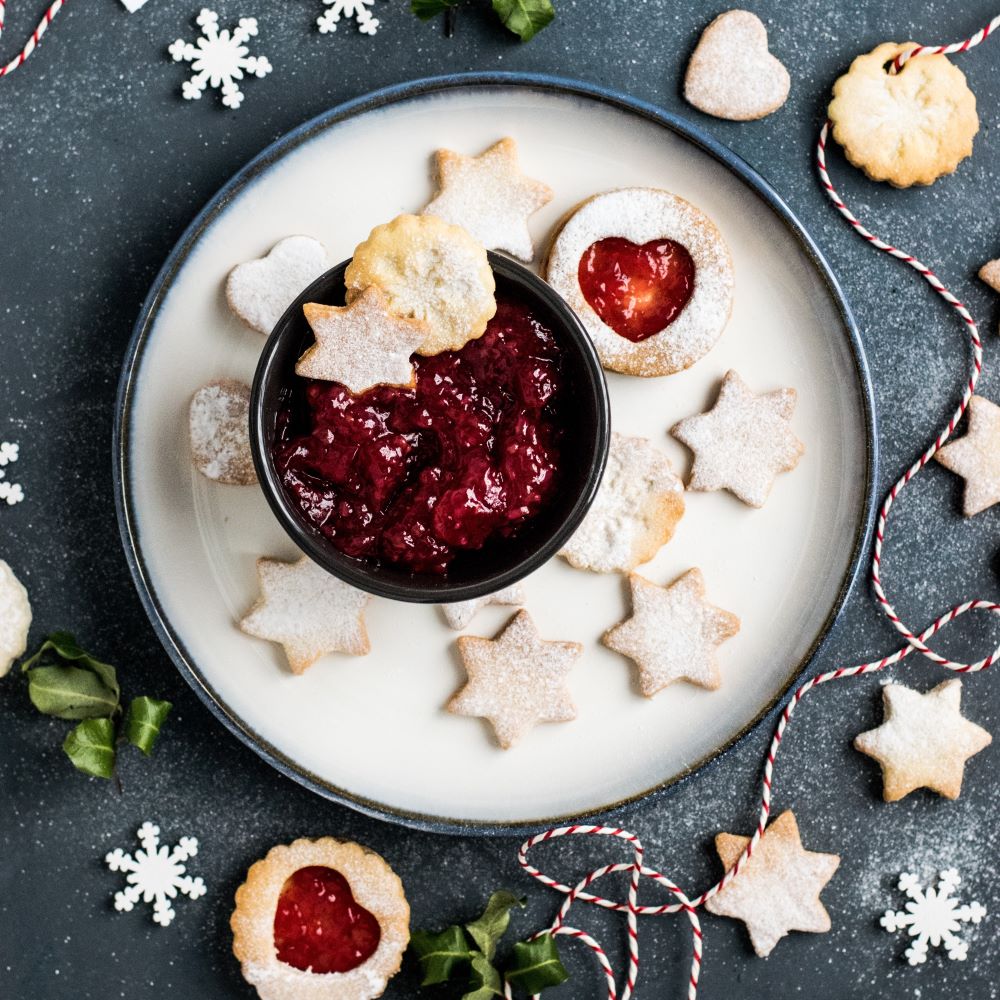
732, 74
637, 289
259, 291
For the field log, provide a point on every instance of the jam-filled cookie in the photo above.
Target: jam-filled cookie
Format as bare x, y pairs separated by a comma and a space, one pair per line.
320, 920
648, 274
431, 271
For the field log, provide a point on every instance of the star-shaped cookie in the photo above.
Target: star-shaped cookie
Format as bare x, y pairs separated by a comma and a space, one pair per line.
924, 740
459, 613
516, 680
308, 611
743, 442
976, 456
672, 633
488, 196
361, 345
778, 889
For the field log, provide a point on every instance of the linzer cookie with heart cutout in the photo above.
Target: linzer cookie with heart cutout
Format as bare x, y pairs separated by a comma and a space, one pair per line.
648, 274
732, 74
320, 920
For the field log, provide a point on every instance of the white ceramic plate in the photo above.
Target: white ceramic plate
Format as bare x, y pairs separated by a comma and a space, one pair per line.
372, 731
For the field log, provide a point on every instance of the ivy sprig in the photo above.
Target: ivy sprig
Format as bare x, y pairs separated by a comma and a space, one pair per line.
465, 953
67, 682
524, 18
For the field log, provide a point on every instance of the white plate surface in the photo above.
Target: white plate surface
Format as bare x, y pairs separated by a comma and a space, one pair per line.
374, 727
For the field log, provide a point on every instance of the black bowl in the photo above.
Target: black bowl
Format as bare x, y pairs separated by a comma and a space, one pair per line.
498, 564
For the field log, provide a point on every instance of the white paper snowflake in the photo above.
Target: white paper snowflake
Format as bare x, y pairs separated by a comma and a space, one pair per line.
933, 916
358, 9
218, 59
156, 874
9, 492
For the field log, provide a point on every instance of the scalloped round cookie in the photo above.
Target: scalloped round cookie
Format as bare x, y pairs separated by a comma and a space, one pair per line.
907, 128
429, 270
15, 618
378, 896
639, 222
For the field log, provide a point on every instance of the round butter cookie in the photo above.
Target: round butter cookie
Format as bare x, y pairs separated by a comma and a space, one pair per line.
648, 274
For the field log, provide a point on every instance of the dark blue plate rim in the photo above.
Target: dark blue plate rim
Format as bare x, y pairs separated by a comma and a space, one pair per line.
281, 147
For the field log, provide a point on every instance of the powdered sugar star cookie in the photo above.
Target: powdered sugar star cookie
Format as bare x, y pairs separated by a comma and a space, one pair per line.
516, 680
15, 618
219, 427
431, 271
361, 345
672, 633
976, 456
743, 442
732, 74
635, 511
924, 740
260, 290
778, 889
308, 612
906, 128
990, 273
648, 274
458, 614
489, 197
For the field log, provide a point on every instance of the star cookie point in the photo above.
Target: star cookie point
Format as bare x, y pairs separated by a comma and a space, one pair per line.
778, 888
308, 612
743, 442
924, 740
489, 196
459, 613
362, 344
516, 680
673, 633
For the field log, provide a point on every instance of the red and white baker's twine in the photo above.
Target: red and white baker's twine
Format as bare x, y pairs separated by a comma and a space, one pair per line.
36, 35
914, 642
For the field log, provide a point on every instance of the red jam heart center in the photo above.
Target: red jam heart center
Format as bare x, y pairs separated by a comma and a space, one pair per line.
637, 290
319, 926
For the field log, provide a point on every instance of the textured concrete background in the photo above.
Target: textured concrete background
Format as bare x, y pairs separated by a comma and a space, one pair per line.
101, 167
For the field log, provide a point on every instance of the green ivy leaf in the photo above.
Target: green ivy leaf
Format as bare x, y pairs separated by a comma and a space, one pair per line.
484, 981
143, 720
71, 693
536, 965
492, 925
440, 954
61, 649
91, 747
426, 9
525, 18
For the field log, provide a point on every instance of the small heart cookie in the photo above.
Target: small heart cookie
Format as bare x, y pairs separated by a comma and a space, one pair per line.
907, 128
259, 291
732, 74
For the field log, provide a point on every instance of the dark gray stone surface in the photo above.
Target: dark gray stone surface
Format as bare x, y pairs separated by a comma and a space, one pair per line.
101, 167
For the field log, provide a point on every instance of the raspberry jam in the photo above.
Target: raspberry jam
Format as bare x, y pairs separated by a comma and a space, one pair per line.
319, 926
637, 290
415, 477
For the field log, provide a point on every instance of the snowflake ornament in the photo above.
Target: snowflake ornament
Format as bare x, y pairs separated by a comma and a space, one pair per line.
219, 58
933, 916
10, 492
358, 9
155, 874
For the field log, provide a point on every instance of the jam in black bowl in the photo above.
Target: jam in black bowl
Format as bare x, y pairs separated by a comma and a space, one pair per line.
451, 489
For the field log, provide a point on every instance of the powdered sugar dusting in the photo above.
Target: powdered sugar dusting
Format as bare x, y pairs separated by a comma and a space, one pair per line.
219, 424
459, 613
307, 611
635, 512
259, 291
743, 442
976, 456
517, 680
642, 215
15, 618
